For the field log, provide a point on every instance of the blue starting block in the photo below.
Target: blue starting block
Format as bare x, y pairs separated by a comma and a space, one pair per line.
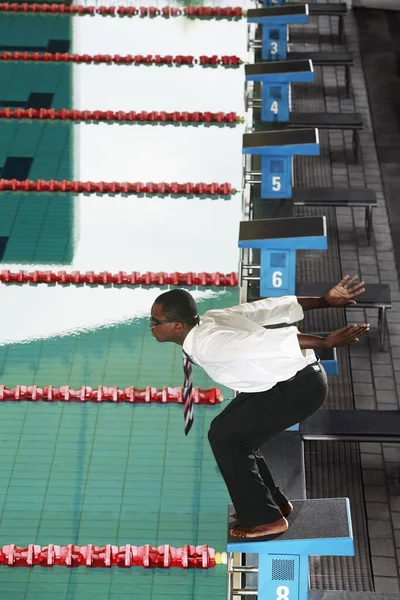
278, 240
316, 528
275, 78
274, 2
274, 21
277, 149
330, 363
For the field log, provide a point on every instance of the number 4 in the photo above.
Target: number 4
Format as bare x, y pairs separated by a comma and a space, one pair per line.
275, 107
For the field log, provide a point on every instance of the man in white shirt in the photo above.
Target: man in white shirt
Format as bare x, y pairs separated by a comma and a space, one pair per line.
279, 379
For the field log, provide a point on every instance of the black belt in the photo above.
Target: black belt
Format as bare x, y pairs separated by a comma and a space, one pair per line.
306, 370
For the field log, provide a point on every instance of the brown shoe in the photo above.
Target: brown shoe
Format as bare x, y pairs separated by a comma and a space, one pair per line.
274, 528
286, 509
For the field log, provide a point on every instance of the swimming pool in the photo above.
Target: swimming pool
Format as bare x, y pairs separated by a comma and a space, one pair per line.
84, 473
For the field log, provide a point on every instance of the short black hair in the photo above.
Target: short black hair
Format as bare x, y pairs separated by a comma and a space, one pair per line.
179, 305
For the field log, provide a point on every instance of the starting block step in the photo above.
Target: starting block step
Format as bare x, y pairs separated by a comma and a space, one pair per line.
280, 70
352, 425
319, 527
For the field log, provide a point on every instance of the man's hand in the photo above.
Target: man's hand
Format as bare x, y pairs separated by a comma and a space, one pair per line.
347, 335
343, 292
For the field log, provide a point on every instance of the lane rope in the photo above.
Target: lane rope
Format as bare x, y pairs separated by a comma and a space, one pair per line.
129, 395
121, 278
150, 557
139, 59
112, 188
200, 12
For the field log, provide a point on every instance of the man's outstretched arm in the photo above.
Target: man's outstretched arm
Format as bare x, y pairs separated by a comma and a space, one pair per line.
340, 295
340, 337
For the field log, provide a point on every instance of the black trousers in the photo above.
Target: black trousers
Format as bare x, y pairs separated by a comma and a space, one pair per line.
248, 422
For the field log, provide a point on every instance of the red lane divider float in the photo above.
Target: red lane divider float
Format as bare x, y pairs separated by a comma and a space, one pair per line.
113, 188
121, 278
130, 395
120, 116
186, 557
201, 12
150, 59
205, 12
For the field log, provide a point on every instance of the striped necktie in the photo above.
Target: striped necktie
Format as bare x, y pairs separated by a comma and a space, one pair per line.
187, 393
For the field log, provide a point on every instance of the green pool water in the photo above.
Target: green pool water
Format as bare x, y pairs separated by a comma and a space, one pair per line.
86, 473
111, 474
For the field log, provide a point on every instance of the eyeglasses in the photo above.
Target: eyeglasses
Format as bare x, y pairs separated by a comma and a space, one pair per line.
155, 322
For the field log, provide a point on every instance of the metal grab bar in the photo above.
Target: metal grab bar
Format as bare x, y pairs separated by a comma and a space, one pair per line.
244, 569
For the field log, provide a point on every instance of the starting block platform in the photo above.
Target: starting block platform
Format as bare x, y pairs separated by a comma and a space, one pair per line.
278, 240
320, 527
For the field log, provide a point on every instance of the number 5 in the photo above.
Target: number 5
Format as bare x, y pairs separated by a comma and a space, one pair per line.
276, 183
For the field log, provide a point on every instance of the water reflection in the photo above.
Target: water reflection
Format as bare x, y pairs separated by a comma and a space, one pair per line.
140, 234
159, 88
57, 311
101, 35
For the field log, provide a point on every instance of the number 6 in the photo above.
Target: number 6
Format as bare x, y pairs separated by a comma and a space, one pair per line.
277, 283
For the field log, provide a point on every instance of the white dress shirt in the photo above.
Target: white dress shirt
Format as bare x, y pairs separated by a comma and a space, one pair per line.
235, 350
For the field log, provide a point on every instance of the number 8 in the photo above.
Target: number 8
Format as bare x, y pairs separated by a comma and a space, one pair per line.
283, 592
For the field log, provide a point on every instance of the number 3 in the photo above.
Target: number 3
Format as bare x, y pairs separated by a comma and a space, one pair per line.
283, 592
274, 48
